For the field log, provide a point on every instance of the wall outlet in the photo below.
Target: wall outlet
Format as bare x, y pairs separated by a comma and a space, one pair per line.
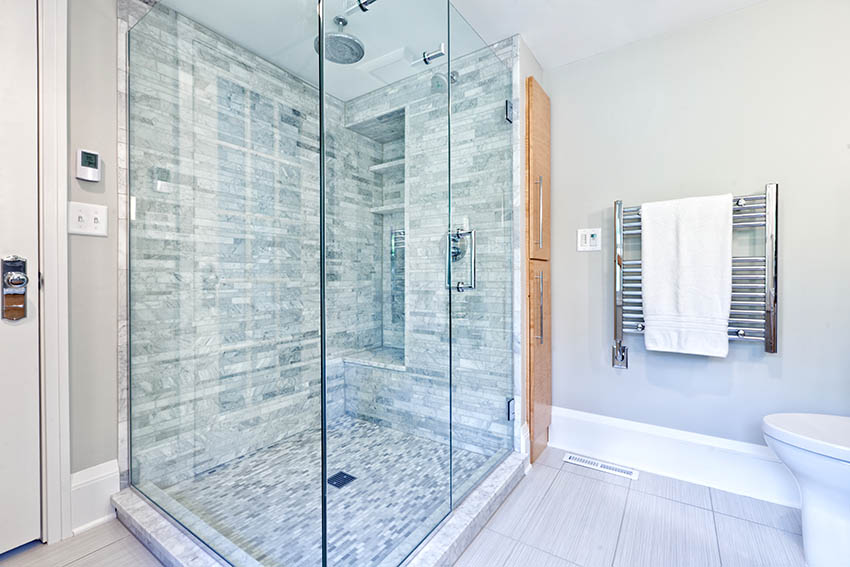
87, 219
588, 239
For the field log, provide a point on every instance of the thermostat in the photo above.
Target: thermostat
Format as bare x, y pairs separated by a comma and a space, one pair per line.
88, 165
588, 239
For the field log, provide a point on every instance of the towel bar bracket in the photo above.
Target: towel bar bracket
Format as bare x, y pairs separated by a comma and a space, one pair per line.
620, 355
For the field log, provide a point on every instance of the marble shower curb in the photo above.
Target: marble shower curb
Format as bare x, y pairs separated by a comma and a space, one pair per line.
171, 545
449, 540
175, 548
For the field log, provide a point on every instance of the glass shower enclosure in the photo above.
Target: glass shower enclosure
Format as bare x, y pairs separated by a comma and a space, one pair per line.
320, 273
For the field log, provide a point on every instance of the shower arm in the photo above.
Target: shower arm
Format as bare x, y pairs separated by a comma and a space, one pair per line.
361, 6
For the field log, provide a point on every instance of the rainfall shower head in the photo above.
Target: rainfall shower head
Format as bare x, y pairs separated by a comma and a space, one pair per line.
341, 47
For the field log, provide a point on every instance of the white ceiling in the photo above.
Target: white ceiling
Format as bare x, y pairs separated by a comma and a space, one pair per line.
563, 31
396, 32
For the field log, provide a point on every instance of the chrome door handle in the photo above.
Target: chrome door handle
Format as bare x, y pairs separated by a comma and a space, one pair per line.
539, 278
458, 253
540, 207
15, 280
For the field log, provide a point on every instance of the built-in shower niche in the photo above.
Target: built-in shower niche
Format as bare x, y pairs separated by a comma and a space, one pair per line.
388, 130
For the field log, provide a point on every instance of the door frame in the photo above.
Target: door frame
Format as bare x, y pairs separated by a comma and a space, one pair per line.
53, 268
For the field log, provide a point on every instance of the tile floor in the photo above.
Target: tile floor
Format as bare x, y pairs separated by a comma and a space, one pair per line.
562, 515
269, 503
107, 545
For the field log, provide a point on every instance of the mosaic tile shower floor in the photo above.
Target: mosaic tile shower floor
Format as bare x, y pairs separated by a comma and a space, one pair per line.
269, 503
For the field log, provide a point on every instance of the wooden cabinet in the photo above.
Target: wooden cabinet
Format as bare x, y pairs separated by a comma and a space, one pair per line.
538, 186
540, 355
538, 247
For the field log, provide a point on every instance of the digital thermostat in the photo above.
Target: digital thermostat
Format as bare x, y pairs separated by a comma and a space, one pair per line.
588, 239
88, 165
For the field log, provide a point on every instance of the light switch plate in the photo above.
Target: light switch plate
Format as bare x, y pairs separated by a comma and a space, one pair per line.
87, 219
588, 239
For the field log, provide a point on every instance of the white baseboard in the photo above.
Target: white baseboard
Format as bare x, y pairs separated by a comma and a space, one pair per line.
91, 489
734, 466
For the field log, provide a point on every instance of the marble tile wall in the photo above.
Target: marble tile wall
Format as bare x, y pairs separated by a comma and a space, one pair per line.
483, 186
225, 248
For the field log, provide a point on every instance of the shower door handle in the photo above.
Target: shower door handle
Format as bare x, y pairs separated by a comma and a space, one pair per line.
539, 278
458, 236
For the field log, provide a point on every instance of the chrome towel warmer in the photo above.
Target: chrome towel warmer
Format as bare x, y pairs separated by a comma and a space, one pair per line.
754, 278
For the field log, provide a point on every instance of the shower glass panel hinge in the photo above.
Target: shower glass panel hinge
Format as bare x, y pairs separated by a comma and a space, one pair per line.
509, 111
511, 409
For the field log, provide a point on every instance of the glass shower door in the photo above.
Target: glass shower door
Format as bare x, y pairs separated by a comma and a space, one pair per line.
482, 322
386, 199
224, 275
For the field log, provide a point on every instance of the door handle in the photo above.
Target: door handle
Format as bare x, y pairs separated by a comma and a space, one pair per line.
15, 281
539, 278
461, 243
540, 207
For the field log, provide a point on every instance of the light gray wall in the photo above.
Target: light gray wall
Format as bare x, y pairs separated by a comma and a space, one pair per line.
92, 260
761, 95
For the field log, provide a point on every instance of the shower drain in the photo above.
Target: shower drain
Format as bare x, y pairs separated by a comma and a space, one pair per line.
340, 479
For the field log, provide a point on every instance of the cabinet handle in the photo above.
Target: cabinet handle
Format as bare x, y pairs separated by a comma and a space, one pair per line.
540, 206
539, 278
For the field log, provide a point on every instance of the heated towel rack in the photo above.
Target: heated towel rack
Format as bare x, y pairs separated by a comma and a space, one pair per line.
754, 278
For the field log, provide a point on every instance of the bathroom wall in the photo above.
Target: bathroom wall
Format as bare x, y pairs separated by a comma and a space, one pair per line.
756, 96
92, 261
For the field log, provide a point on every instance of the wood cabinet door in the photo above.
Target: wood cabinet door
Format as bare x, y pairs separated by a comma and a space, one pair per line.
540, 355
538, 182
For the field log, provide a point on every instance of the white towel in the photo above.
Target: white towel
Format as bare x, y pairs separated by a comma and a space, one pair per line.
686, 266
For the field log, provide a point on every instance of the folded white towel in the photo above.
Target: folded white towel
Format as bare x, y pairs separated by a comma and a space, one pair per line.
686, 266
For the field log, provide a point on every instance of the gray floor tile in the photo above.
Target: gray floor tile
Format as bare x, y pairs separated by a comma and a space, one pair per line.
521, 505
659, 532
578, 520
597, 475
759, 511
673, 489
527, 556
69, 550
489, 549
746, 544
127, 552
551, 457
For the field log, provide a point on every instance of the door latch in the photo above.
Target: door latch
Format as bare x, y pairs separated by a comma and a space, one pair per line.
15, 282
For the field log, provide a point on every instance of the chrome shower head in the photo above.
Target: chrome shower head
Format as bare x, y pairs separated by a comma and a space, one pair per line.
341, 47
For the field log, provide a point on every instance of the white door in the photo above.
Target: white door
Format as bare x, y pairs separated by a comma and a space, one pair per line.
20, 476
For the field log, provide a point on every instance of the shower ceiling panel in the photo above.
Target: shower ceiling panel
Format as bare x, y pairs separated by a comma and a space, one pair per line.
284, 35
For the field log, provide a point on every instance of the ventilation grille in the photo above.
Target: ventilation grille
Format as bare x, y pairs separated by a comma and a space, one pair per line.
600, 466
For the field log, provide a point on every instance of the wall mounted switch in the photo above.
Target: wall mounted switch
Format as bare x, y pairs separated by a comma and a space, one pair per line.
589, 239
87, 219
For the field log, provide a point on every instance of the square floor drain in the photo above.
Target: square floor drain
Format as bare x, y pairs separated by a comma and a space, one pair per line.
340, 479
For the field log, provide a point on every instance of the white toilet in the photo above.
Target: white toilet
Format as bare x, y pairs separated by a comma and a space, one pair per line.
816, 448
